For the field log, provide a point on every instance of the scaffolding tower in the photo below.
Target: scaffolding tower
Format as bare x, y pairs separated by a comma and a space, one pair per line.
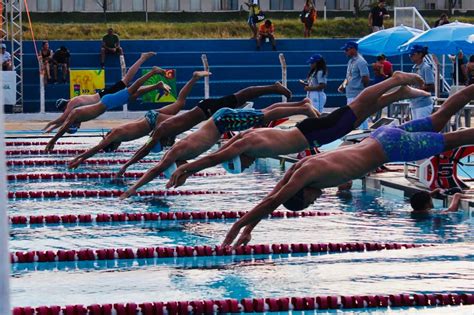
12, 32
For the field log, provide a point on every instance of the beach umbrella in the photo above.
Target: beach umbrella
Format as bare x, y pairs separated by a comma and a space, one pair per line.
445, 39
387, 41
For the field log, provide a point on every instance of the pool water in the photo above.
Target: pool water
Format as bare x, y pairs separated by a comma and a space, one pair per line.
362, 216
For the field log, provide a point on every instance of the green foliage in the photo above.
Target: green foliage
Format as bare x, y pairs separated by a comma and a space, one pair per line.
285, 28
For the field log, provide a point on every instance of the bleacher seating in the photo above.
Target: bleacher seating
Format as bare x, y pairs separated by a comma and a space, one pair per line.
235, 64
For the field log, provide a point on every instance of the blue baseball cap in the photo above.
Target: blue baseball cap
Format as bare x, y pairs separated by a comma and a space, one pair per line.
417, 49
349, 45
314, 58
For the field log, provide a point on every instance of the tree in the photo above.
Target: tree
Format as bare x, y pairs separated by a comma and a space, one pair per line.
104, 4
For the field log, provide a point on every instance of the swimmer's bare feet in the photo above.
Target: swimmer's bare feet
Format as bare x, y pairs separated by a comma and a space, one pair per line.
409, 92
408, 78
311, 111
158, 70
163, 86
283, 90
147, 55
201, 74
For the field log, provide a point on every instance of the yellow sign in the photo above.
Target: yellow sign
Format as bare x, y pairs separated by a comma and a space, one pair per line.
86, 82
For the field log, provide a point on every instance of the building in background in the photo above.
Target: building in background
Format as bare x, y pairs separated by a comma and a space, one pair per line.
221, 5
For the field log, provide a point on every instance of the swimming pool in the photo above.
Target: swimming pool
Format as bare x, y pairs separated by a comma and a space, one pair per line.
362, 217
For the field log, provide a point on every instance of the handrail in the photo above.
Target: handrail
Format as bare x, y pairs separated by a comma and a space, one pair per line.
284, 80
205, 64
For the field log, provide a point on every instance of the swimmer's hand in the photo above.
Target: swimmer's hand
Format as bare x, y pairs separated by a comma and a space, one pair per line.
128, 193
49, 146
120, 172
178, 178
244, 238
75, 163
231, 235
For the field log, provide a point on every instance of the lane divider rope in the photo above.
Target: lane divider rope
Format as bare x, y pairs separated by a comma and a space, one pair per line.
63, 162
104, 193
75, 176
53, 152
193, 251
25, 143
257, 305
150, 217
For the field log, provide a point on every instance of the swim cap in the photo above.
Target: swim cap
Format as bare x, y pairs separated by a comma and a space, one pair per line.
73, 128
157, 148
170, 170
61, 103
296, 202
233, 166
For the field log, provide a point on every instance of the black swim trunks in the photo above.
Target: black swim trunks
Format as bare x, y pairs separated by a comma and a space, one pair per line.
319, 131
210, 106
118, 86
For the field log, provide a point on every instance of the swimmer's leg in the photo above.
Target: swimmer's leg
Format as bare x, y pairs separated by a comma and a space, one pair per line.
458, 138
366, 103
252, 92
282, 110
133, 89
174, 108
132, 71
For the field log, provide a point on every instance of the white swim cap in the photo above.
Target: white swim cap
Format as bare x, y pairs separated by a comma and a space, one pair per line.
170, 170
233, 166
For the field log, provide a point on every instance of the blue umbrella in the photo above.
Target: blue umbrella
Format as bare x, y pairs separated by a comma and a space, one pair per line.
386, 41
445, 39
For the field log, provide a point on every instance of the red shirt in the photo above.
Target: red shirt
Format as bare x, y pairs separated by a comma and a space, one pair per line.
387, 68
263, 29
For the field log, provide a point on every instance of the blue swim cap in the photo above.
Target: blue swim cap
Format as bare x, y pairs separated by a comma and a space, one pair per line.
170, 170
233, 166
157, 148
74, 128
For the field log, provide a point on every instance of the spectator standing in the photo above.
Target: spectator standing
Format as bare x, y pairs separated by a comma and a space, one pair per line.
443, 19
383, 69
357, 75
470, 70
110, 45
377, 15
61, 59
316, 82
266, 30
6, 59
308, 17
461, 64
255, 16
45, 55
421, 107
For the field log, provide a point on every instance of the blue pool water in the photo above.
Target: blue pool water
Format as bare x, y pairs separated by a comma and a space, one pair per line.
363, 216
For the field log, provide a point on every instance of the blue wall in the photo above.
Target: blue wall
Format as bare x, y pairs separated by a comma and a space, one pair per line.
235, 64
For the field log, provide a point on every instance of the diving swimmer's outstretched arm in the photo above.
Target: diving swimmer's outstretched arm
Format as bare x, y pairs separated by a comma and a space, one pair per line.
70, 121
110, 138
284, 190
233, 147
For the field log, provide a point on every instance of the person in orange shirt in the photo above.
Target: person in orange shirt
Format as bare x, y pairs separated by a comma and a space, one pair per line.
308, 17
265, 31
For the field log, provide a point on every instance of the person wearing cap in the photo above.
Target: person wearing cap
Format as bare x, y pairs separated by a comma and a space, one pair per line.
110, 45
316, 82
266, 30
242, 150
61, 58
6, 59
357, 75
224, 120
376, 16
302, 184
421, 107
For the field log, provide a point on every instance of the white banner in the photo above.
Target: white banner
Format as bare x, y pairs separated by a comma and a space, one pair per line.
9, 87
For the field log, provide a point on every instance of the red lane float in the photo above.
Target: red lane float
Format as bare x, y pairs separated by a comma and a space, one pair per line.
255, 305
63, 162
52, 152
150, 217
192, 251
104, 193
75, 176
25, 143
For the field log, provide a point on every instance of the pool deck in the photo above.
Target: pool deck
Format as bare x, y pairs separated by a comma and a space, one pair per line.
393, 182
